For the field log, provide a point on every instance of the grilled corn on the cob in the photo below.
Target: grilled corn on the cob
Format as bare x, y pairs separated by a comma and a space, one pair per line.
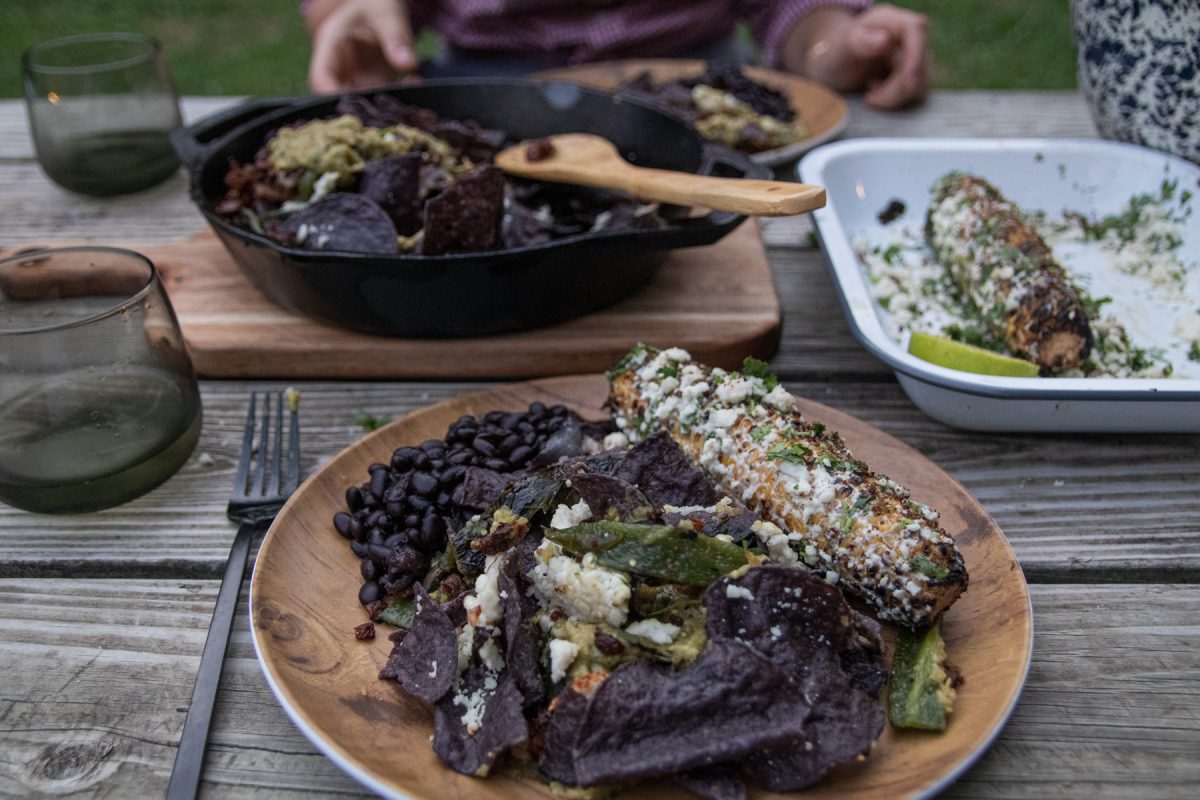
821, 506
1005, 270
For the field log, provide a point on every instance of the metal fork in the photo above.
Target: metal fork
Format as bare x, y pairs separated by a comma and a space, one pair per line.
262, 485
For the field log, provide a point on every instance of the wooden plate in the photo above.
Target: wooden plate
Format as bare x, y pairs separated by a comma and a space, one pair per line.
304, 606
822, 110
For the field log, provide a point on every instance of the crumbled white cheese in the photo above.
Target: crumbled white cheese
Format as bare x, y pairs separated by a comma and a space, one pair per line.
490, 655
774, 541
616, 440
733, 590
655, 631
483, 608
584, 591
569, 516
562, 656
781, 399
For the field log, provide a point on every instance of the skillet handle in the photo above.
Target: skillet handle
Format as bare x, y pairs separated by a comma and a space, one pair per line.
193, 143
726, 163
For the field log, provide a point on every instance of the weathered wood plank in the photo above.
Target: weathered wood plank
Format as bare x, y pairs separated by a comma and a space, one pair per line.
99, 674
1070, 514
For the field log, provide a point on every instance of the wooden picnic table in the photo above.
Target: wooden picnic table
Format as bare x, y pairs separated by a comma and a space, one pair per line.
104, 615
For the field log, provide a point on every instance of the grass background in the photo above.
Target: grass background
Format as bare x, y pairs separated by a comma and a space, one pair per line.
261, 46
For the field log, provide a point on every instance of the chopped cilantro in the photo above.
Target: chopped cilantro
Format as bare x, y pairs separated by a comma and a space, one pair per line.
637, 352
753, 368
926, 567
891, 253
368, 421
1194, 351
810, 239
669, 371
793, 453
847, 522
861, 504
760, 433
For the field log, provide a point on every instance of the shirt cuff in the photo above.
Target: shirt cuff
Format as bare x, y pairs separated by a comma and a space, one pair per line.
786, 17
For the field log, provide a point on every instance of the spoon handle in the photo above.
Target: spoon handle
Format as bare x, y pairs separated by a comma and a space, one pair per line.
739, 195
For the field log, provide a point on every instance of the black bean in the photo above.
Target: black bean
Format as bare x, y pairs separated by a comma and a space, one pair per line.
357, 529
341, 522
466, 433
369, 593
451, 476
497, 464
395, 540
402, 458
379, 552
373, 518
558, 410
359, 548
368, 569
432, 527
461, 458
520, 455
508, 443
443, 499
418, 503
354, 498
412, 520
423, 484
436, 465
421, 460
433, 447
483, 446
525, 426
379, 482
394, 508
530, 439
493, 417
537, 407
511, 421
375, 537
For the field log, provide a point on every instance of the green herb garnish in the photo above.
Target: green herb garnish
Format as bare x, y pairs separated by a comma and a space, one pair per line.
753, 368
926, 567
760, 433
792, 453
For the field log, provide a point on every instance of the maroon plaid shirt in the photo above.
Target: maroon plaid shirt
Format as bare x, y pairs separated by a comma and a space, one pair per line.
575, 31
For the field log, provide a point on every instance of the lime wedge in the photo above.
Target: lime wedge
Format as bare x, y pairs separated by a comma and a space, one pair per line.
967, 357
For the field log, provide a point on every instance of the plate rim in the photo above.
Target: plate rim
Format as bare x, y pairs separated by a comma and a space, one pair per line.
367, 778
775, 157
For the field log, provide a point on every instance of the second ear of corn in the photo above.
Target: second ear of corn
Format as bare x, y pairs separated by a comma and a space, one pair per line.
1007, 273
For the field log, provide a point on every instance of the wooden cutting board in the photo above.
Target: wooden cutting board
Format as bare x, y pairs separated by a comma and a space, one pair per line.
718, 302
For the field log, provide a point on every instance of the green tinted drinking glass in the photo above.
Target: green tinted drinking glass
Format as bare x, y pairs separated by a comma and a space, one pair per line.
101, 106
98, 400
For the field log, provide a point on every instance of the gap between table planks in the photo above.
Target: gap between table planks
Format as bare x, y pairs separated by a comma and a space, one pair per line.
718, 302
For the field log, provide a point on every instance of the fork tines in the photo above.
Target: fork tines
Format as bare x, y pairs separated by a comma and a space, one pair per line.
262, 472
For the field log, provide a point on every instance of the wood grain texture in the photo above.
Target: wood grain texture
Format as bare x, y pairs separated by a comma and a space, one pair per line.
98, 675
1068, 513
232, 330
586, 160
303, 603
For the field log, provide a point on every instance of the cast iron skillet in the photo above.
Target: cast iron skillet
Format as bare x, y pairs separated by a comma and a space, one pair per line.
475, 293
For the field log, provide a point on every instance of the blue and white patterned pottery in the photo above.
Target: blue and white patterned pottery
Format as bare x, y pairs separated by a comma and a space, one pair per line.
1139, 68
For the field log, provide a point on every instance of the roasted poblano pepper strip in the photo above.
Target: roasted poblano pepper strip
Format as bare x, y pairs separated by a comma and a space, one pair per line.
922, 690
656, 551
531, 497
400, 613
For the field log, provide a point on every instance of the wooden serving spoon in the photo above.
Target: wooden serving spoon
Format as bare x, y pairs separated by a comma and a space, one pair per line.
588, 160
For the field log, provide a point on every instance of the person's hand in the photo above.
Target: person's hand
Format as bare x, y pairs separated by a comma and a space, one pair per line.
883, 52
358, 44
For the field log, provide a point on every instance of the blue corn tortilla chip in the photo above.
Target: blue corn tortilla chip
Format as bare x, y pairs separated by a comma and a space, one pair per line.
479, 721
340, 221
394, 182
610, 497
480, 487
665, 474
646, 720
736, 522
804, 626
465, 217
558, 750
426, 659
521, 645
